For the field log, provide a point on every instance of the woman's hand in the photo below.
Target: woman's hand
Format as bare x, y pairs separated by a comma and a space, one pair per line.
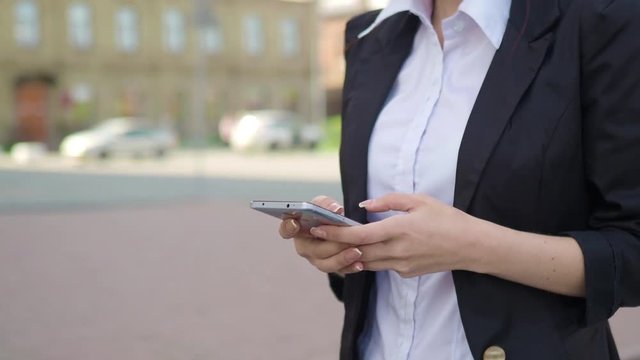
431, 236
327, 256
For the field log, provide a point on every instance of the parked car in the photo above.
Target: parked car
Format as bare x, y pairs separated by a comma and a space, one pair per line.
226, 125
273, 129
119, 136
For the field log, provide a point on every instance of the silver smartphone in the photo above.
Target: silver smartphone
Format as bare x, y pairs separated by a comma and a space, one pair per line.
308, 214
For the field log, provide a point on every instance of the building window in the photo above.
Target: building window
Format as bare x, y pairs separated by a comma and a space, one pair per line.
27, 25
290, 37
127, 34
174, 31
211, 41
79, 25
253, 35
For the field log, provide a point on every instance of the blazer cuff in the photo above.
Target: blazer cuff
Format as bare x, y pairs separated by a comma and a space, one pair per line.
600, 275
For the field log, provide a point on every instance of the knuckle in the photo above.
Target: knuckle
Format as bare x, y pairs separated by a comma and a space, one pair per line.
323, 266
314, 262
282, 231
404, 269
402, 252
289, 228
302, 253
301, 249
396, 250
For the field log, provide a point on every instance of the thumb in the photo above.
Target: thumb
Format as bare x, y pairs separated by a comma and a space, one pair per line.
389, 202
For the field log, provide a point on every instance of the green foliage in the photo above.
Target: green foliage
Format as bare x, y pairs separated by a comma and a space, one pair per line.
332, 128
81, 115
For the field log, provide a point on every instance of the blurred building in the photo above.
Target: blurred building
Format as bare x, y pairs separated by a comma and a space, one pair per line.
67, 64
334, 16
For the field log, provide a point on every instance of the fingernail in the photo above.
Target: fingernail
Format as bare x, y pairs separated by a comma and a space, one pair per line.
359, 267
318, 233
291, 226
335, 207
365, 203
354, 255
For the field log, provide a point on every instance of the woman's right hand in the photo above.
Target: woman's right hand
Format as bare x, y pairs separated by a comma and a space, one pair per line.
327, 256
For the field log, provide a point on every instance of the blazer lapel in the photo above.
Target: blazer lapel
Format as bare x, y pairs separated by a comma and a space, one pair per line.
373, 64
378, 61
513, 68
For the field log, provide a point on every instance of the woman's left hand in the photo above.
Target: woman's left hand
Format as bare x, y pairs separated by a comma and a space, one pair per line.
431, 236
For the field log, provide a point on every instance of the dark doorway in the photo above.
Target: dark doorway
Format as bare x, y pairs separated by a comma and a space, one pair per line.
32, 98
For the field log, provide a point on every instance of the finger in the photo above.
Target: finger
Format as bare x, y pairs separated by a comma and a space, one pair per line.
402, 268
394, 201
354, 268
384, 250
355, 235
311, 248
328, 203
289, 228
337, 262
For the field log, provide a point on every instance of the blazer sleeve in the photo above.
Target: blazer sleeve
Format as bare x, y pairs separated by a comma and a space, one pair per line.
610, 61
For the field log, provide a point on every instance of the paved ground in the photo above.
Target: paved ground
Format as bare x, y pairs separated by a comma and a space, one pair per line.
111, 261
189, 281
108, 261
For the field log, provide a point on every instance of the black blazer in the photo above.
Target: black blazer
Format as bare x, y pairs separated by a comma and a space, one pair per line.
552, 146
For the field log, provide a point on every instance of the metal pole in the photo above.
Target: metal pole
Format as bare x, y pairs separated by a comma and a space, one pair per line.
317, 91
202, 18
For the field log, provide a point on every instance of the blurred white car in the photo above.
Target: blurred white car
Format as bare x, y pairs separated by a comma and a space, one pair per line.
226, 125
119, 136
26, 152
273, 129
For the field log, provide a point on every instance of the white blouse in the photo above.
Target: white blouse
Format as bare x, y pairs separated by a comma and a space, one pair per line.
414, 149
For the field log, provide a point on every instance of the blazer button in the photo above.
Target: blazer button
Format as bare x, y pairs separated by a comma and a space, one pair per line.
494, 353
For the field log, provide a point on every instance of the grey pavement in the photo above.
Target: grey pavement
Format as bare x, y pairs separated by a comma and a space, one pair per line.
190, 281
163, 260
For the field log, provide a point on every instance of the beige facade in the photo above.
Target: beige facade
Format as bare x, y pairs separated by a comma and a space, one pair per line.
84, 85
334, 16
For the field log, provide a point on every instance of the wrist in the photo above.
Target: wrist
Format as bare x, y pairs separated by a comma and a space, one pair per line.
484, 244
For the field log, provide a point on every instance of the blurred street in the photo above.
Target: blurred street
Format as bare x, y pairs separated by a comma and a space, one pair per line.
96, 266
164, 260
55, 183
